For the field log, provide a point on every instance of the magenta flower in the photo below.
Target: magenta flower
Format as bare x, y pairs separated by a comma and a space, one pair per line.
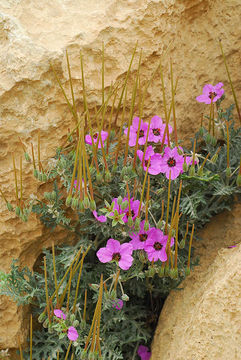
59, 314
138, 240
101, 218
143, 352
117, 252
134, 208
155, 246
155, 162
104, 136
171, 160
210, 91
117, 304
72, 333
133, 132
157, 129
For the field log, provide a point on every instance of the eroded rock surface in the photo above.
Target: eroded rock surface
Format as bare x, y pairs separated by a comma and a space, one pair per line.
33, 34
203, 321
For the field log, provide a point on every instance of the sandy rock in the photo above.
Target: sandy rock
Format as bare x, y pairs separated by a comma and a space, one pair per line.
35, 34
202, 322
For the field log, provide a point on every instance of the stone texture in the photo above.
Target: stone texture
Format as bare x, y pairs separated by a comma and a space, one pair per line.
203, 321
33, 34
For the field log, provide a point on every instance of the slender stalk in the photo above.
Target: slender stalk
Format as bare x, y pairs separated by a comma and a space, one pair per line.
88, 174
55, 275
165, 104
173, 207
204, 161
228, 163
162, 214
46, 290
143, 187
120, 130
69, 287
129, 200
110, 121
230, 82
147, 197
71, 84
210, 116
21, 180
3, 196
168, 201
116, 279
66, 356
85, 303
147, 135
173, 107
75, 166
34, 165
20, 349
190, 246
103, 74
78, 282
15, 178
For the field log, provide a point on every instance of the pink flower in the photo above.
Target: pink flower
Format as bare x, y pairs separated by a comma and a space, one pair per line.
171, 160
138, 240
210, 91
104, 136
155, 246
118, 252
157, 129
134, 208
117, 304
143, 352
101, 218
155, 162
133, 132
59, 314
72, 333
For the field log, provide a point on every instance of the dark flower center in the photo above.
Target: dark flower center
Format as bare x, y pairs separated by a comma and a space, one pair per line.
156, 131
142, 237
116, 256
141, 133
95, 136
132, 213
212, 95
157, 246
171, 162
146, 163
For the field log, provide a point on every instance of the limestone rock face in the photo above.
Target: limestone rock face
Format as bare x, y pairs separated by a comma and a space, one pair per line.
35, 34
203, 321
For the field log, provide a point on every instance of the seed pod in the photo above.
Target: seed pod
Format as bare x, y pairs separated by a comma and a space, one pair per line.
27, 157
130, 221
214, 141
187, 271
41, 317
18, 210
125, 297
238, 181
173, 273
146, 225
45, 177
124, 205
208, 138
119, 200
68, 200
191, 171
201, 131
161, 272
81, 206
137, 224
99, 178
92, 205
35, 173
185, 166
9, 206
182, 244
86, 202
228, 172
107, 176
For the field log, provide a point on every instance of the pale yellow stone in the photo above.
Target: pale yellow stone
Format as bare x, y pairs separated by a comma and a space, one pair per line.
35, 33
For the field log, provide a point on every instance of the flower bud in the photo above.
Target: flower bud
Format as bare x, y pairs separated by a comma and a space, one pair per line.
119, 200
185, 166
173, 273
124, 205
201, 131
81, 206
86, 202
146, 226
125, 297
41, 317
191, 171
238, 181
137, 224
142, 256
9, 206
75, 323
92, 205
46, 323
35, 173
228, 172
50, 330
74, 203
99, 177
68, 200
72, 318
208, 138
167, 270
213, 141
18, 211
107, 176
27, 157
182, 244
200, 172
130, 221
187, 271
161, 272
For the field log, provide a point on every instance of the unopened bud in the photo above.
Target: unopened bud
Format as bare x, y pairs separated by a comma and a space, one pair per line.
167, 270
185, 166
27, 157
41, 317
146, 226
161, 272
208, 138
72, 317
125, 297
214, 141
107, 176
75, 323
9, 206
18, 210
68, 200
74, 203
142, 256
201, 131
119, 200
46, 323
92, 205
35, 173
130, 221
99, 177
228, 172
137, 224
200, 172
187, 271
81, 206
238, 181
86, 202
124, 205
191, 171
173, 273
50, 330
